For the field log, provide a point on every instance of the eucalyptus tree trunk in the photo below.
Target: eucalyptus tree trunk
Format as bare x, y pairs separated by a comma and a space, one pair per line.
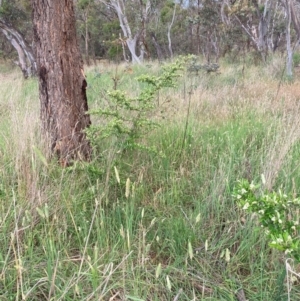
131, 41
26, 58
157, 47
263, 27
144, 11
140, 34
169, 31
295, 18
198, 34
62, 84
259, 33
289, 62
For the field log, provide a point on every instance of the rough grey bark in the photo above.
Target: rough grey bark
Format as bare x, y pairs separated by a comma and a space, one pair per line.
62, 84
26, 58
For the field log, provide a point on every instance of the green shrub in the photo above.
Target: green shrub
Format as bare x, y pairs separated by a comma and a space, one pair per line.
277, 214
129, 119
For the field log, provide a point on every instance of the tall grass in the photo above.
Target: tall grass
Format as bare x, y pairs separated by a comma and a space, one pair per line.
170, 232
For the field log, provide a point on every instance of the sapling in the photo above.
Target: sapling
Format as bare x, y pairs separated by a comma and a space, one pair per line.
129, 119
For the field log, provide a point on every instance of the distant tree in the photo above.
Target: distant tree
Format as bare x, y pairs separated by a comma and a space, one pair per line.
90, 28
259, 20
132, 38
172, 28
84, 7
13, 16
289, 50
169, 31
62, 84
292, 17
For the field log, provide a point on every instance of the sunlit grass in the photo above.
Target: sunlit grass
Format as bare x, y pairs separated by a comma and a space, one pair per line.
79, 234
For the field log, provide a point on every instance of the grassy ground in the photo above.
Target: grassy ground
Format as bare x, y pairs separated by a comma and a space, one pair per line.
176, 234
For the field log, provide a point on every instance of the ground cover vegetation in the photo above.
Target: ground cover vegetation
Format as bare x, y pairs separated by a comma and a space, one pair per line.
152, 216
188, 189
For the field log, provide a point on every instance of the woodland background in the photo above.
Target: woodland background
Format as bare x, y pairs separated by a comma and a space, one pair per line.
138, 30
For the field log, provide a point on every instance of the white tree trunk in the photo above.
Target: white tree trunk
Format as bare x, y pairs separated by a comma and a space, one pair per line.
262, 34
169, 31
289, 62
144, 9
131, 44
273, 40
131, 41
26, 58
143, 51
123, 43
